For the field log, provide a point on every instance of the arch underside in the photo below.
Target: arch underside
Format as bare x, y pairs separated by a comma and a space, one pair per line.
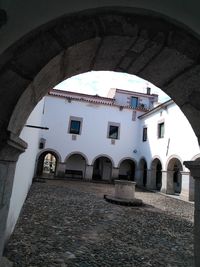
50, 166
174, 162
144, 45
127, 169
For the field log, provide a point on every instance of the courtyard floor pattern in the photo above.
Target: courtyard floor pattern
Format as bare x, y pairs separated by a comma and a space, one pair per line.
69, 224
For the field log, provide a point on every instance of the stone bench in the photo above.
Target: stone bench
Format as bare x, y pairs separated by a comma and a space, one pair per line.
74, 173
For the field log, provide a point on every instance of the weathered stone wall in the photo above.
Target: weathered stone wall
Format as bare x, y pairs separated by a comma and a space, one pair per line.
149, 47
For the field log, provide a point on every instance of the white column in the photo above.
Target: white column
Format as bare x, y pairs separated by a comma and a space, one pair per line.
185, 184
88, 172
115, 173
170, 182
164, 182
150, 180
60, 170
138, 179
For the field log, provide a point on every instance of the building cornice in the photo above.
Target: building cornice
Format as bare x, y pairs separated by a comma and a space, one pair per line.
94, 99
135, 93
159, 107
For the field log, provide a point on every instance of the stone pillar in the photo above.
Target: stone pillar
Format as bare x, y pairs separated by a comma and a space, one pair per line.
191, 188
150, 180
185, 184
194, 167
60, 171
164, 182
88, 172
170, 183
138, 177
9, 154
115, 173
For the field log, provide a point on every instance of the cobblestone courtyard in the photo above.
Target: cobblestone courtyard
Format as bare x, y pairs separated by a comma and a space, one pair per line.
70, 224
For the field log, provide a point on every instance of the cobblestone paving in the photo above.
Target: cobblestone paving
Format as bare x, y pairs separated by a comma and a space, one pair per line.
70, 224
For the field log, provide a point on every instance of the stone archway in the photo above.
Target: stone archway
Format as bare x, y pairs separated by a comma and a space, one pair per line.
143, 172
102, 169
127, 169
75, 165
144, 45
118, 39
156, 174
174, 180
47, 164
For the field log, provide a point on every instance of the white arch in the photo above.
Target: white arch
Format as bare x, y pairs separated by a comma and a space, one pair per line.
105, 156
174, 156
197, 156
127, 158
50, 150
154, 158
76, 153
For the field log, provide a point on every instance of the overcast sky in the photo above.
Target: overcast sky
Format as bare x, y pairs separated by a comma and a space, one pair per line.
99, 82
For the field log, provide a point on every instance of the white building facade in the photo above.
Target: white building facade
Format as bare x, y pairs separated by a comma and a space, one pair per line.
166, 141
122, 136
119, 136
92, 137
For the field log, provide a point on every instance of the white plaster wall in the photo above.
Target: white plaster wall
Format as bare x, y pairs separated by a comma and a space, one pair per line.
144, 101
121, 99
124, 99
25, 168
183, 142
93, 140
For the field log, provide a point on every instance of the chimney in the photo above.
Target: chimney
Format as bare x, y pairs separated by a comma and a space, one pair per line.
148, 90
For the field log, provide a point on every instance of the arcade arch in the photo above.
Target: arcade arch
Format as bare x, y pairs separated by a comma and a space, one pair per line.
47, 162
156, 173
174, 180
75, 165
102, 168
127, 168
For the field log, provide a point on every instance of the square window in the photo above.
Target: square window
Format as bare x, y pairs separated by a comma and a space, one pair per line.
144, 136
75, 125
113, 130
161, 128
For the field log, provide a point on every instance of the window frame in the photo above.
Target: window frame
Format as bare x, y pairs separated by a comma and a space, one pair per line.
78, 119
144, 134
113, 124
137, 102
161, 133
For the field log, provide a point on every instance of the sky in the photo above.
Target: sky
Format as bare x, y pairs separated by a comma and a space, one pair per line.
99, 82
